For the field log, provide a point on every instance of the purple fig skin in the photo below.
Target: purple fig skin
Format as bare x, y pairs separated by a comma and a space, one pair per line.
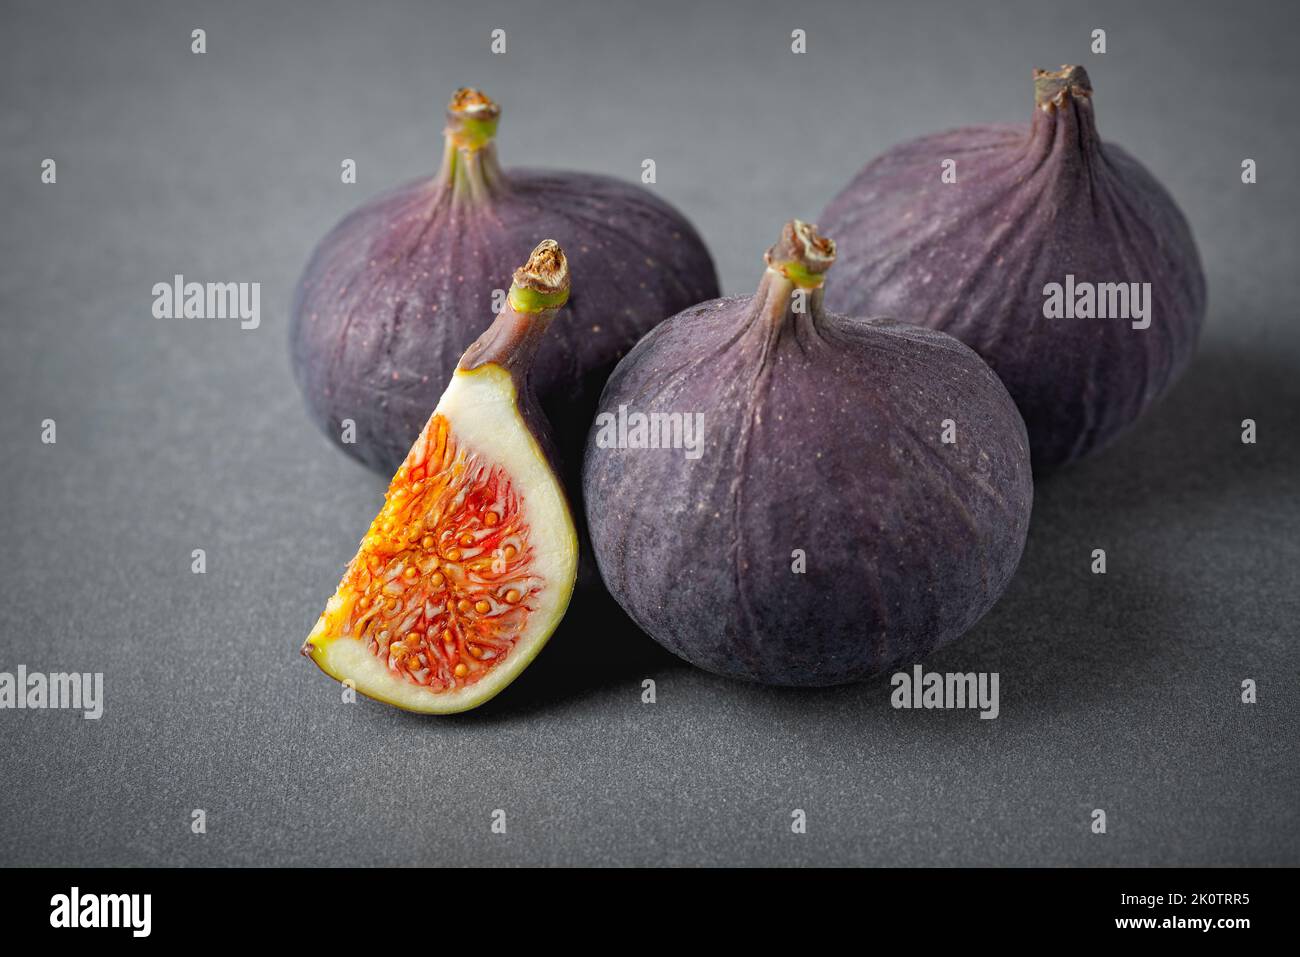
1029, 206
397, 291
822, 433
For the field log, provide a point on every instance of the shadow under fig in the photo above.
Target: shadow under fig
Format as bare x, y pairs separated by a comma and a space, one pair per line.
596, 647
1187, 452
1075, 640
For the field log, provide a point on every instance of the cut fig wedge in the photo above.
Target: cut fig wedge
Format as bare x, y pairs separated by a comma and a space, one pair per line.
469, 566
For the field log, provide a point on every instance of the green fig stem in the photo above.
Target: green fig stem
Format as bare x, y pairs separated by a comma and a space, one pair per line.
539, 290
801, 255
1052, 88
796, 263
542, 283
530, 300
470, 170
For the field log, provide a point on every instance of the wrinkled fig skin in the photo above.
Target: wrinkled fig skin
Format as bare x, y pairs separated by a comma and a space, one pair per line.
1030, 205
398, 290
822, 433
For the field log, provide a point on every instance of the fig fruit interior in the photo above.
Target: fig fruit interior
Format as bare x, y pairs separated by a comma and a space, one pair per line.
970, 230
397, 291
858, 493
468, 567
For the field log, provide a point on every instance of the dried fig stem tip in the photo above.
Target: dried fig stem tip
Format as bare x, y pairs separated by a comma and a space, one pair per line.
801, 255
540, 288
542, 282
471, 119
1052, 88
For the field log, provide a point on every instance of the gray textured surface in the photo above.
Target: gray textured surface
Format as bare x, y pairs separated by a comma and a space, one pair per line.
1118, 692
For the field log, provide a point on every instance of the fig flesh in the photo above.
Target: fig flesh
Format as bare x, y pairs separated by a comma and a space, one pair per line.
976, 230
469, 566
823, 528
396, 291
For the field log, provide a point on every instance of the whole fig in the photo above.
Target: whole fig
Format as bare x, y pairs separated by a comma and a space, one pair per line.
778, 493
1057, 257
395, 293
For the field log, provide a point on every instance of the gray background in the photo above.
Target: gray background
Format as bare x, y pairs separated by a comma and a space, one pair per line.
1118, 691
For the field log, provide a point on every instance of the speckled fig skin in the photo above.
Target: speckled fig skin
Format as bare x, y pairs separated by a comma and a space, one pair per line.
823, 434
1029, 206
396, 291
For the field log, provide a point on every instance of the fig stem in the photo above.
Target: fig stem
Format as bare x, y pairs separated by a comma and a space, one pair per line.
1063, 117
801, 255
543, 281
469, 162
796, 263
539, 290
471, 119
1053, 87
530, 300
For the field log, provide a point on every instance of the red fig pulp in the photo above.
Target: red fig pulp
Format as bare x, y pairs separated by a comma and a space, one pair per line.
397, 290
1016, 240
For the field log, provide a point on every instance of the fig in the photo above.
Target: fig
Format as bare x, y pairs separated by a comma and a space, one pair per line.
396, 291
994, 234
469, 566
856, 492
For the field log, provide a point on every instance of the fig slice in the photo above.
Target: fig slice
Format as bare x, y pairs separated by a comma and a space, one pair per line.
468, 567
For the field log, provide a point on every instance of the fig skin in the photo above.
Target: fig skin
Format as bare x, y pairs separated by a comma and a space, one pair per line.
1029, 206
397, 291
821, 433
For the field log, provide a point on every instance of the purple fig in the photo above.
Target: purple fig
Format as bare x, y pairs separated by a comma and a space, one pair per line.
1018, 241
778, 493
395, 293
